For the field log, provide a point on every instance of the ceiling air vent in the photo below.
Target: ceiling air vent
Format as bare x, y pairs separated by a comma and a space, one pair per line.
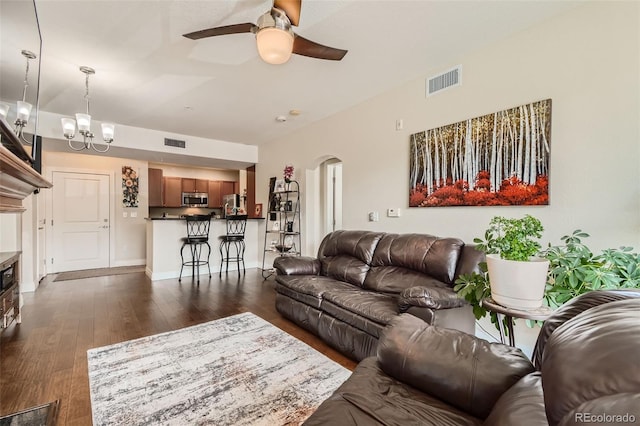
175, 142
447, 79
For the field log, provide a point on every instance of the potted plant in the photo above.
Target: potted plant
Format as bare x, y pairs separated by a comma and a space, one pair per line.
575, 269
516, 275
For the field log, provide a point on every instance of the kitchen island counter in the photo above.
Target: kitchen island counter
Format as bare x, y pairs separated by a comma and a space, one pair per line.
164, 240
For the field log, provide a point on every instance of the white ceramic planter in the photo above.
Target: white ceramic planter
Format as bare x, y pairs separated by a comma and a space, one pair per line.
516, 284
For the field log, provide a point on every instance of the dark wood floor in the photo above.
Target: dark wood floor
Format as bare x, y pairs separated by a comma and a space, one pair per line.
45, 357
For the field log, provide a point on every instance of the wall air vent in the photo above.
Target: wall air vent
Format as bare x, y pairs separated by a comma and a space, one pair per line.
447, 79
175, 142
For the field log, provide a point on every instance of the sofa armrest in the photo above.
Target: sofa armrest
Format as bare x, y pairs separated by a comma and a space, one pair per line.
429, 297
285, 265
458, 368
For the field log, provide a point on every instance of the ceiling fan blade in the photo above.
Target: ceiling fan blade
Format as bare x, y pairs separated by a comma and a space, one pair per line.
291, 8
304, 47
228, 29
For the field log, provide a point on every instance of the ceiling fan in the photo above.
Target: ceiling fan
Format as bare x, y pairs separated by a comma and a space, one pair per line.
275, 39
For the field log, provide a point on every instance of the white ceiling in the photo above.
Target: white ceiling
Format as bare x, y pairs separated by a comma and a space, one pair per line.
149, 76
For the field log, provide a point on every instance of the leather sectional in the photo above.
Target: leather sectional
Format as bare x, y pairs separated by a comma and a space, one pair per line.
585, 371
362, 280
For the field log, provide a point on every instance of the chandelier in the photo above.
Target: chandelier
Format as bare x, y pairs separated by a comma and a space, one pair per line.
84, 124
23, 108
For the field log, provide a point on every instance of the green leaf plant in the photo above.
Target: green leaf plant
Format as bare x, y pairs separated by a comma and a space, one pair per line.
512, 239
573, 269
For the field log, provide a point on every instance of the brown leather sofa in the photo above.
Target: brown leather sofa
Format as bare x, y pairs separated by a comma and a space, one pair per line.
361, 280
586, 372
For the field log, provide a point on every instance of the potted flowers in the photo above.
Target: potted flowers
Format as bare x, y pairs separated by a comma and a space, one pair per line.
288, 173
517, 276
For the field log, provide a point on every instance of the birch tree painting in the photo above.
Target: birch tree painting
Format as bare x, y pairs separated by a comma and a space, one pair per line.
498, 159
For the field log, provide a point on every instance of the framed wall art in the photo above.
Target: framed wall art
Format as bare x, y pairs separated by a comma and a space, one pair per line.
498, 159
130, 187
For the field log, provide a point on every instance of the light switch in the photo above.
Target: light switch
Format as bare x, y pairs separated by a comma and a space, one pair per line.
134, 214
393, 212
124, 214
374, 217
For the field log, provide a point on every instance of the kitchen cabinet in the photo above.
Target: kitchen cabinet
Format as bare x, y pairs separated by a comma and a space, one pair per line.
172, 192
227, 188
156, 187
195, 185
215, 194
218, 188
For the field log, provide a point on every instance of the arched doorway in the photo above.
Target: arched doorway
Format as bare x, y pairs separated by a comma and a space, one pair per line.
332, 195
323, 201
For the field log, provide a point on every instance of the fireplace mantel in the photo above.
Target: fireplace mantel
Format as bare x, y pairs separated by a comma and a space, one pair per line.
17, 178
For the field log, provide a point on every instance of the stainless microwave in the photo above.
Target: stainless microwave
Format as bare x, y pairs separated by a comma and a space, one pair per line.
195, 199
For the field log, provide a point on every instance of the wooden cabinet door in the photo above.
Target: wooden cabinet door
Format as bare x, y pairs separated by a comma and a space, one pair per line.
188, 185
227, 188
155, 187
202, 185
215, 194
172, 192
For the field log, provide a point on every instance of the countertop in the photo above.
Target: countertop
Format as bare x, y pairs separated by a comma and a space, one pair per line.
182, 218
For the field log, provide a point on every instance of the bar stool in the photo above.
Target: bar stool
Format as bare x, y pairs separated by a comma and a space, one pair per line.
197, 236
236, 225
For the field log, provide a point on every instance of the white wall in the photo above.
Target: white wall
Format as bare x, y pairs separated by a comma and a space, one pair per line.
128, 246
153, 141
196, 172
9, 231
586, 61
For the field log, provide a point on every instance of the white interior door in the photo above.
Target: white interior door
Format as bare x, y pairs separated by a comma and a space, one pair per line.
42, 235
80, 221
333, 196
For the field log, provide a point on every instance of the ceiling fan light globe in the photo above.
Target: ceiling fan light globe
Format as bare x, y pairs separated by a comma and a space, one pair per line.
274, 45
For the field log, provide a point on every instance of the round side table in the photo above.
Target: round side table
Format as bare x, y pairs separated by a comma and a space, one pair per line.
539, 314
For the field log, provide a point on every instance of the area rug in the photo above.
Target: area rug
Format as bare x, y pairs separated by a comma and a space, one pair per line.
101, 272
239, 370
42, 415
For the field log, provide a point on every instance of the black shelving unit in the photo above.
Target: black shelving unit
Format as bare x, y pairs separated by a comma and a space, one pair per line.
282, 229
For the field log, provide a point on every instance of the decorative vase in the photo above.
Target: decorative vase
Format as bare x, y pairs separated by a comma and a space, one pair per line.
516, 284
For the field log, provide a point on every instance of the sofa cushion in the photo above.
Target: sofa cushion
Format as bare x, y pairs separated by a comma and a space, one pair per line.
370, 397
365, 310
604, 341
308, 289
524, 400
401, 261
396, 279
346, 255
462, 370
